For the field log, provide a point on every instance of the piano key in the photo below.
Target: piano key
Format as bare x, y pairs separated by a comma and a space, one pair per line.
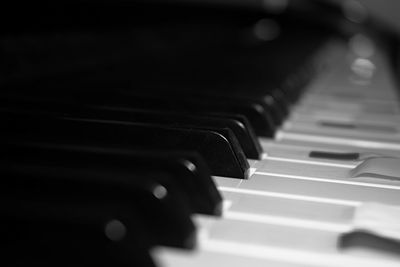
274, 206
275, 110
341, 116
241, 129
282, 102
176, 258
332, 155
248, 143
365, 106
233, 231
40, 241
324, 172
187, 170
267, 252
240, 119
233, 254
388, 122
255, 112
379, 219
301, 153
381, 168
226, 181
366, 243
334, 141
301, 149
273, 235
359, 126
350, 101
375, 230
273, 98
63, 192
223, 158
346, 130
321, 189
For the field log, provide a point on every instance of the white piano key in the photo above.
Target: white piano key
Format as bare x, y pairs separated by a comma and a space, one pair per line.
280, 234
218, 253
288, 136
214, 258
316, 145
384, 168
274, 234
309, 258
323, 172
315, 116
312, 114
381, 220
301, 154
311, 98
228, 182
322, 189
346, 130
288, 206
365, 107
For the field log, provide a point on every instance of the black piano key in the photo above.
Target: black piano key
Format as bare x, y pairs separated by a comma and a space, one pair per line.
275, 109
187, 170
272, 109
282, 103
369, 241
57, 242
89, 197
275, 96
252, 140
268, 103
223, 158
247, 140
334, 155
256, 112
272, 99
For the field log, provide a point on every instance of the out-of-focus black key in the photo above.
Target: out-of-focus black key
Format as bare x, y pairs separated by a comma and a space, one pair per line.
274, 98
275, 110
187, 170
223, 158
255, 112
281, 101
237, 124
369, 241
266, 100
32, 240
83, 195
270, 108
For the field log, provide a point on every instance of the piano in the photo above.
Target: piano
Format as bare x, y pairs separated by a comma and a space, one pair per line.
199, 133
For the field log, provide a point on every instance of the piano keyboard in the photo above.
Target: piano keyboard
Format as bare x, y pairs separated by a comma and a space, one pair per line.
208, 144
296, 209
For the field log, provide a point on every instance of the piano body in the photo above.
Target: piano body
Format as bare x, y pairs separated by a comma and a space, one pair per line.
200, 133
